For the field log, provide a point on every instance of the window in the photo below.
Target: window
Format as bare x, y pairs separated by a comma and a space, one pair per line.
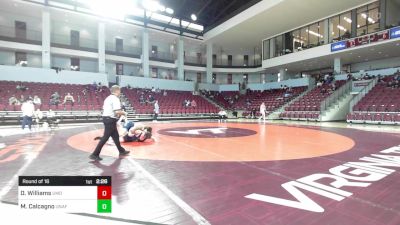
198, 77
75, 64
229, 78
229, 60
313, 35
245, 60
21, 59
154, 51
278, 45
119, 67
20, 29
245, 78
368, 19
297, 41
199, 61
304, 37
119, 45
154, 72
340, 27
214, 78
392, 13
74, 38
266, 50
214, 59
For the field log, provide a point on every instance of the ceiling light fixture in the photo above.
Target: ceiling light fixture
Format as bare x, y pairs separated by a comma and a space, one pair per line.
347, 20
194, 17
169, 11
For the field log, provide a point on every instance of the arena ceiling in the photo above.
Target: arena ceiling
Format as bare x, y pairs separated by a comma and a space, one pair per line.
210, 13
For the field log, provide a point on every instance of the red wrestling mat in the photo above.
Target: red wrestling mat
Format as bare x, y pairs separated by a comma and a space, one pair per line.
224, 142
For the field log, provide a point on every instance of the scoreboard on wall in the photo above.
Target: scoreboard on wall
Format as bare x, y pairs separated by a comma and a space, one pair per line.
88, 194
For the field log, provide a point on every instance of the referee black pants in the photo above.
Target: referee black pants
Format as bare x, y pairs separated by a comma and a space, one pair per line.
110, 130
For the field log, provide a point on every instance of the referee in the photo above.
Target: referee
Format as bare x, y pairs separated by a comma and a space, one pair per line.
111, 112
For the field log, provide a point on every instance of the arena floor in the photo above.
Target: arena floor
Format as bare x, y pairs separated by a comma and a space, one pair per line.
228, 173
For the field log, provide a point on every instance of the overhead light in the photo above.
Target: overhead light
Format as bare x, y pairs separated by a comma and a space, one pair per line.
169, 11
379, 52
115, 10
314, 33
194, 17
347, 20
151, 5
358, 26
363, 15
341, 28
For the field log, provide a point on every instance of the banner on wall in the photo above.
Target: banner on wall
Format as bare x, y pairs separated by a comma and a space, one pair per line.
338, 46
366, 39
395, 32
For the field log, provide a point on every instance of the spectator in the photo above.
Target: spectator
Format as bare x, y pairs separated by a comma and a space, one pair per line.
141, 99
153, 89
165, 93
151, 99
263, 109
222, 115
13, 100
253, 113
158, 90
333, 86
319, 83
38, 116
187, 103
349, 76
156, 110
28, 110
22, 99
193, 103
69, 98
55, 99
37, 100
21, 87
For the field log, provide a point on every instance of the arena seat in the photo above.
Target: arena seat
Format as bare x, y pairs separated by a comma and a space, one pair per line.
91, 101
273, 99
172, 103
382, 103
309, 105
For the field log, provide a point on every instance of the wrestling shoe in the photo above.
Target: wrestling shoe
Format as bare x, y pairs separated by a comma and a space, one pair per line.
95, 157
124, 153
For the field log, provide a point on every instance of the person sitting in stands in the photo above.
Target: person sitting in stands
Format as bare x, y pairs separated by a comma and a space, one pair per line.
84, 91
37, 100
55, 96
165, 93
22, 98
151, 99
153, 89
187, 103
38, 116
21, 87
141, 100
69, 98
333, 86
193, 103
13, 101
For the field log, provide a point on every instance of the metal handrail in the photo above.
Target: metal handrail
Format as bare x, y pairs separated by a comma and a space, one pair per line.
362, 93
335, 96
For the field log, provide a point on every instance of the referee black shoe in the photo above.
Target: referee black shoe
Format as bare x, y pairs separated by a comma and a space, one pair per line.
124, 153
95, 157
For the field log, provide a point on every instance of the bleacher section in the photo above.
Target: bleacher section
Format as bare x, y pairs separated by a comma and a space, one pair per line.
381, 105
91, 101
172, 103
273, 99
308, 107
